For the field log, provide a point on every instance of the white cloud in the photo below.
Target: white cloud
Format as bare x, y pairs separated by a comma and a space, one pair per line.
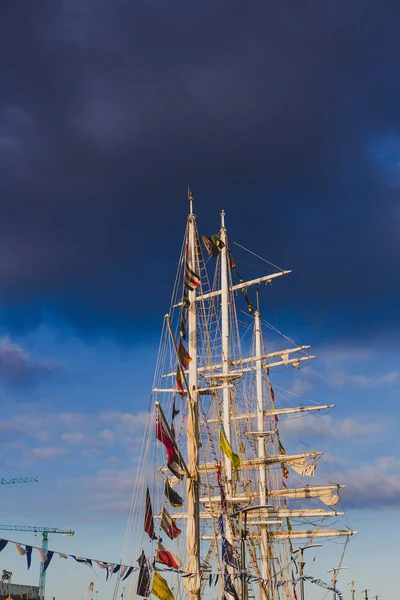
47, 453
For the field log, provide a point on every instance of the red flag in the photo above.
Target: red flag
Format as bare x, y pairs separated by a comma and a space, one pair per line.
167, 558
148, 518
163, 437
173, 461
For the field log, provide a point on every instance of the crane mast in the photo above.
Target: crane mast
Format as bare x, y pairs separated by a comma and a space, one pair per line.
45, 543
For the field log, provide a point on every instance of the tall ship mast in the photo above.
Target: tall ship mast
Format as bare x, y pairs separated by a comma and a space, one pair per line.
222, 506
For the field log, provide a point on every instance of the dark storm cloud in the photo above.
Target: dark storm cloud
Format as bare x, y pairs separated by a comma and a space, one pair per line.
279, 113
18, 369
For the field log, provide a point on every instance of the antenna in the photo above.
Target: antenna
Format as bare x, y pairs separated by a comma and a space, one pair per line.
300, 550
334, 572
353, 589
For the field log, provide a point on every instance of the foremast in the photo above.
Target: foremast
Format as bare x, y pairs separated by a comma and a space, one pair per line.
192, 584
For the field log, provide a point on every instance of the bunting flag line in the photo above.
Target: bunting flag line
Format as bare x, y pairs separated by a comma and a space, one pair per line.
172, 496
168, 525
143, 586
168, 522
227, 449
160, 588
148, 517
165, 557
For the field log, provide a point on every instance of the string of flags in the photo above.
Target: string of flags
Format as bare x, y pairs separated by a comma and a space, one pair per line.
148, 571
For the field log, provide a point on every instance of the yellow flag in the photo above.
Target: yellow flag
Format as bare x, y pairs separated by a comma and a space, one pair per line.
160, 588
227, 450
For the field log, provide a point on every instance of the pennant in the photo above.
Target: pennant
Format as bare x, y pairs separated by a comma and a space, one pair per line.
185, 300
175, 411
116, 568
160, 588
129, 571
227, 449
191, 279
3, 544
21, 551
272, 394
50, 554
221, 487
165, 557
182, 327
229, 554
143, 586
172, 496
221, 524
168, 525
148, 517
229, 587
281, 448
179, 382
42, 555
285, 471
84, 561
28, 556
190, 194
213, 244
184, 356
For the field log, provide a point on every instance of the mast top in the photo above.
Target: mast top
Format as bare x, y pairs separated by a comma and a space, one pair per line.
222, 218
190, 198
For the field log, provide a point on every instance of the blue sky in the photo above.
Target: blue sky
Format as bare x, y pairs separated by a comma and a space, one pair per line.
289, 121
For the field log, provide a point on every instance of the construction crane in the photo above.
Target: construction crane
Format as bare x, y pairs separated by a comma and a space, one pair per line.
18, 480
45, 544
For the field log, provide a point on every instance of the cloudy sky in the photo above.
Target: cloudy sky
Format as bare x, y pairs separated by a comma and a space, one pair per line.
284, 114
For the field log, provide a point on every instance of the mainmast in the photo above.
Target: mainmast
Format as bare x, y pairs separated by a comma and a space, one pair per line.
192, 584
225, 355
